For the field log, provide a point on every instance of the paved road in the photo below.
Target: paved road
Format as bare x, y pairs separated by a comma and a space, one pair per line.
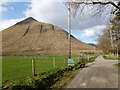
99, 74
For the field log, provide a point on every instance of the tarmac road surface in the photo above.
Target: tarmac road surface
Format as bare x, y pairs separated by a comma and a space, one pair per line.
99, 74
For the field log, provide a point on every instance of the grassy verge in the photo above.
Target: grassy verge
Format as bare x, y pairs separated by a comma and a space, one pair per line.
55, 78
67, 76
110, 58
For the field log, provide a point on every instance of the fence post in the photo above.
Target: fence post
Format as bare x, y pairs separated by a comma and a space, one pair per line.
53, 62
33, 67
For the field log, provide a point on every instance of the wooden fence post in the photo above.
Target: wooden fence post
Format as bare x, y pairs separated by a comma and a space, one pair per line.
53, 62
33, 67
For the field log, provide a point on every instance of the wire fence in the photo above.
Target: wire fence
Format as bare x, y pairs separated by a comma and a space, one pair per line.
21, 66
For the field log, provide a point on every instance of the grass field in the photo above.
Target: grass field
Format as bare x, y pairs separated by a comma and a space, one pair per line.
110, 58
16, 67
21, 66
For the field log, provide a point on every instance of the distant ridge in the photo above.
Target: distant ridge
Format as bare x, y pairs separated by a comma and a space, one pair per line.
30, 37
92, 44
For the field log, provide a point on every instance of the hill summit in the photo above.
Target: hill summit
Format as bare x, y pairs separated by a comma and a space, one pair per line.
30, 37
26, 21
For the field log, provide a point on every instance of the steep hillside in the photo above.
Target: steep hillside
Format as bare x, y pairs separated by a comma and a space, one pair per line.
30, 37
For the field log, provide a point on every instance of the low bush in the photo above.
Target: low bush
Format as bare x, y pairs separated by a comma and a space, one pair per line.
44, 80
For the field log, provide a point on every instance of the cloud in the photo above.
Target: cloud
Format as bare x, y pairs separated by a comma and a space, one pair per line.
49, 12
11, 8
7, 23
2, 7
56, 13
92, 32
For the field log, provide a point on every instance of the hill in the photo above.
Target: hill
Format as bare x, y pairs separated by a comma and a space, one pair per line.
30, 37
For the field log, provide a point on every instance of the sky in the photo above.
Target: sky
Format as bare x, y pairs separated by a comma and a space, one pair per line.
84, 26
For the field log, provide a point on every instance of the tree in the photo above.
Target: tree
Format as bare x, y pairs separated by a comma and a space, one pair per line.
104, 41
112, 33
98, 6
110, 40
77, 3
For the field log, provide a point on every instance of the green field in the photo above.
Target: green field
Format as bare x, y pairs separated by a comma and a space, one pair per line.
110, 58
21, 66
16, 67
